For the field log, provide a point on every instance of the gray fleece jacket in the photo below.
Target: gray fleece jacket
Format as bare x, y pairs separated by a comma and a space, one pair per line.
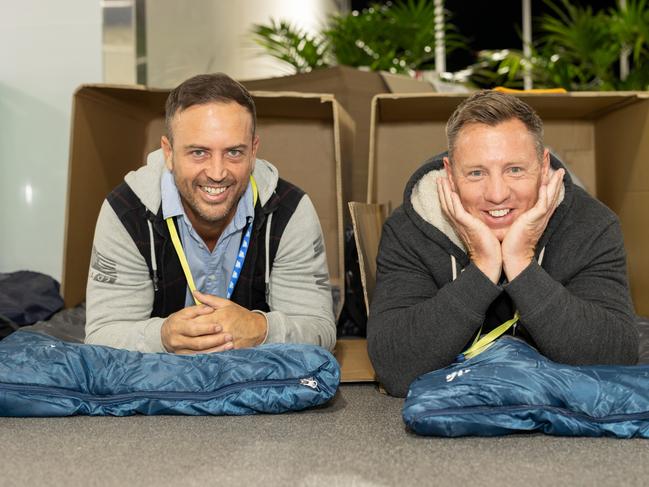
430, 299
119, 302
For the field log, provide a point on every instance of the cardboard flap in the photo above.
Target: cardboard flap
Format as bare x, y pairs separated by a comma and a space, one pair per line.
368, 222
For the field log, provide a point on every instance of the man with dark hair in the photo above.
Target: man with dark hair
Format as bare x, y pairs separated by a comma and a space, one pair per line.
495, 232
205, 248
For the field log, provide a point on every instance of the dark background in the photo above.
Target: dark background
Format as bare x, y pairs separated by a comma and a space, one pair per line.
489, 24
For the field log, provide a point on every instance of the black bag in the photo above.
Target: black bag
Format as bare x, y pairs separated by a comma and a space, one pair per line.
25, 298
353, 317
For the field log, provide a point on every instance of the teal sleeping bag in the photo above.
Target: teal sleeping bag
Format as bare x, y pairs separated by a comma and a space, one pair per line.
43, 376
511, 387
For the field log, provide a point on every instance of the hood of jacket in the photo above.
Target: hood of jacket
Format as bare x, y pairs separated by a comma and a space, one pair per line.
145, 181
421, 204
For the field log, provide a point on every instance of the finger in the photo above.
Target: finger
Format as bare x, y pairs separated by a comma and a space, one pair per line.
197, 329
549, 194
192, 311
557, 184
459, 212
205, 342
448, 198
210, 300
222, 348
441, 193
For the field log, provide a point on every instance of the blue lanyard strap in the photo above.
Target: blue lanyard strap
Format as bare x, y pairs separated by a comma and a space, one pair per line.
241, 255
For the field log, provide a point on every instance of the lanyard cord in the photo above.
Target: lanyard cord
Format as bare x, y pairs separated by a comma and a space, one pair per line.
241, 255
480, 344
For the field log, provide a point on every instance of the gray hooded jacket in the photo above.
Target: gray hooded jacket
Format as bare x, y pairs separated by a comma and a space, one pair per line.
431, 300
119, 309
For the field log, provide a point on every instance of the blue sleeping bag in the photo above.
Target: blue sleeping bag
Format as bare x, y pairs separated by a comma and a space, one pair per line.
44, 376
511, 387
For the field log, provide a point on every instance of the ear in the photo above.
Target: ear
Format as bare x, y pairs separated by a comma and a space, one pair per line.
449, 173
545, 167
168, 152
253, 153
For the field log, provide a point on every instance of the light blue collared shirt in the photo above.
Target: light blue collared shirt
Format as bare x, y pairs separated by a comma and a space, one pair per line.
211, 270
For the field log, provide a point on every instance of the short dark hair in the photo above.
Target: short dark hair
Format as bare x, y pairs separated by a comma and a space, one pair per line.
492, 108
208, 88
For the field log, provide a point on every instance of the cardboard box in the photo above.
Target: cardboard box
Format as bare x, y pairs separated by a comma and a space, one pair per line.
601, 136
114, 127
354, 89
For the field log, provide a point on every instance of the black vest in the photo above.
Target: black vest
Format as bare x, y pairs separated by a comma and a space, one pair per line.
169, 282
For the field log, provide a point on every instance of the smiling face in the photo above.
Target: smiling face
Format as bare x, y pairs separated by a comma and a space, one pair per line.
496, 172
212, 157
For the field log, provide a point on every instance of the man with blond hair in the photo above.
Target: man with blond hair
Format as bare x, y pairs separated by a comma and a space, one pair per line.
493, 232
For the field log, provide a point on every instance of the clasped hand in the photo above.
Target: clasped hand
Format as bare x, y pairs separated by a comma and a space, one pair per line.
516, 250
215, 325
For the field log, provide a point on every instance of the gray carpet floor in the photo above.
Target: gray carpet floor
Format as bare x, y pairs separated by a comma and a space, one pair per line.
358, 439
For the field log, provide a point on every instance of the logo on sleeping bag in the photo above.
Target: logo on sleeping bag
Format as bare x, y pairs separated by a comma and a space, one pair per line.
102, 269
458, 373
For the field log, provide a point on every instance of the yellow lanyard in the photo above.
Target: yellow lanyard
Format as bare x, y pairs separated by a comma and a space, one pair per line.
480, 344
179, 248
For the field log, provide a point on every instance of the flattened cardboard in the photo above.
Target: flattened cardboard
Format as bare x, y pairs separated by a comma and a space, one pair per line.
354, 90
114, 127
601, 136
367, 220
351, 353
355, 365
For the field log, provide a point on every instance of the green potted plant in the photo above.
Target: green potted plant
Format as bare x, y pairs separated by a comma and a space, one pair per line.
397, 37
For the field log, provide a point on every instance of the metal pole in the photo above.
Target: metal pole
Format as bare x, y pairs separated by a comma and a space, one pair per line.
624, 55
440, 46
527, 43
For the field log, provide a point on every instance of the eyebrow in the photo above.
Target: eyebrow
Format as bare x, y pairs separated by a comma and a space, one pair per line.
237, 147
194, 147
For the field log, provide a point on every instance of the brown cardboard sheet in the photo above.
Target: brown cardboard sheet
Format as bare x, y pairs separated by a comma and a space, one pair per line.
353, 89
367, 220
603, 137
351, 353
115, 127
355, 365
622, 148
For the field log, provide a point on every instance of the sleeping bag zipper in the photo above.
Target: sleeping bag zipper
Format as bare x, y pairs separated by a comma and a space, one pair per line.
309, 382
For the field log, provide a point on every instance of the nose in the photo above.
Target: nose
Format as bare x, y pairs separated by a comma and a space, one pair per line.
497, 190
215, 168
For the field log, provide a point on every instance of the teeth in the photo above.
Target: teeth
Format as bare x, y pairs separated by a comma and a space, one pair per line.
213, 191
498, 213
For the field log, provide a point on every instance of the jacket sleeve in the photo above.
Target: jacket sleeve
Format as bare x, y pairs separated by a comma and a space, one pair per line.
300, 294
588, 318
420, 320
119, 293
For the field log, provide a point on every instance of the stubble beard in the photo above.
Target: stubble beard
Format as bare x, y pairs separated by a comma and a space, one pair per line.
198, 208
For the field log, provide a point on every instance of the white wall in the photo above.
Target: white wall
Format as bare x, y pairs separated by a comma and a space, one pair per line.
202, 36
50, 47
47, 49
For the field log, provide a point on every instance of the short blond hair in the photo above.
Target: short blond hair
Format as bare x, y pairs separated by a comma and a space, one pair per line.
492, 108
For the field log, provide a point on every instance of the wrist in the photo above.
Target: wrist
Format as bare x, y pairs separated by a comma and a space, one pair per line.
490, 268
513, 266
261, 325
